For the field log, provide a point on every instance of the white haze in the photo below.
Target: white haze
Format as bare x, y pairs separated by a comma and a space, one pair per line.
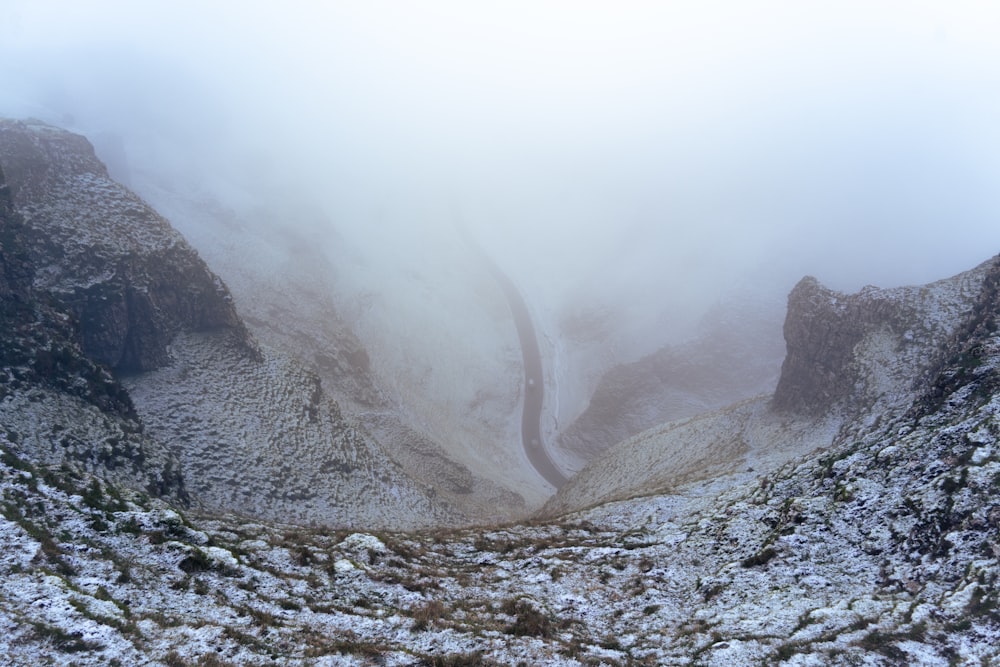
644, 154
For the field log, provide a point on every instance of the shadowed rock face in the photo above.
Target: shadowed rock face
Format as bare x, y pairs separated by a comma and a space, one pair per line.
829, 337
15, 273
38, 342
56, 402
821, 330
129, 281
93, 284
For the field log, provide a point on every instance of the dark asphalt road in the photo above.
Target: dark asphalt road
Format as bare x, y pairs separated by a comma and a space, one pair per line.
534, 385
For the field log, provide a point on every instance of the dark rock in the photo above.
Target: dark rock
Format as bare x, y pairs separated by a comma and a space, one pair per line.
826, 332
821, 329
127, 278
963, 360
38, 342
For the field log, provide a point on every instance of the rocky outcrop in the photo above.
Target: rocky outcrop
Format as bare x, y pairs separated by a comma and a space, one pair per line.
822, 329
841, 348
39, 344
129, 281
57, 403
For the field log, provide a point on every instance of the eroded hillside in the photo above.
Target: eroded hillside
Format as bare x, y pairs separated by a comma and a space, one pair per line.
125, 353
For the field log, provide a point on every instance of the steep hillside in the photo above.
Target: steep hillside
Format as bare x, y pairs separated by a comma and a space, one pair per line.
851, 358
57, 405
882, 550
126, 353
124, 274
440, 394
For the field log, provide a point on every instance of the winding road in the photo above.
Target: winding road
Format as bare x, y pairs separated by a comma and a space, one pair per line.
534, 384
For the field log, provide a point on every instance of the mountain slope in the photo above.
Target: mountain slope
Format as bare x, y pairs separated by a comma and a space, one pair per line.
736, 354
121, 271
97, 281
56, 403
852, 359
440, 395
882, 550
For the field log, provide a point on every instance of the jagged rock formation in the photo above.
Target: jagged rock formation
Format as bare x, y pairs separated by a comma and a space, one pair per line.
127, 277
851, 358
56, 403
883, 549
842, 347
736, 355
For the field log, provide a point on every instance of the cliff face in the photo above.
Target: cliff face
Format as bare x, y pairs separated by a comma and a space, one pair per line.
128, 280
56, 403
93, 284
851, 351
39, 343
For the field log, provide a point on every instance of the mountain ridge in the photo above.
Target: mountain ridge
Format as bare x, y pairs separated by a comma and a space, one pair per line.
878, 346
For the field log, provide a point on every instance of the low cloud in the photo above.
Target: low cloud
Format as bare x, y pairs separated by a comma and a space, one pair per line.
651, 154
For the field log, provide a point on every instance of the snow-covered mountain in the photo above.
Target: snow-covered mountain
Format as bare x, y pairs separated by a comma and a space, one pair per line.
161, 468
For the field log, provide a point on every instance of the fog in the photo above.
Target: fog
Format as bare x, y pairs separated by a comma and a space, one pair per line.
645, 155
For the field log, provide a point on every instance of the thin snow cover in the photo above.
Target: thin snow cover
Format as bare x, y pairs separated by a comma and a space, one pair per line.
438, 337
881, 549
262, 439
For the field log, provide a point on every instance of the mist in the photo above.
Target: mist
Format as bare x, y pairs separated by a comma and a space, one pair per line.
643, 157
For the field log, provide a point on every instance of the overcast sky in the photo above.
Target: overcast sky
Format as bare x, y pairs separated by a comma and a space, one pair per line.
674, 144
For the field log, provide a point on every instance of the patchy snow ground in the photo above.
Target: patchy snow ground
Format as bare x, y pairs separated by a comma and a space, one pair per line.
882, 550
